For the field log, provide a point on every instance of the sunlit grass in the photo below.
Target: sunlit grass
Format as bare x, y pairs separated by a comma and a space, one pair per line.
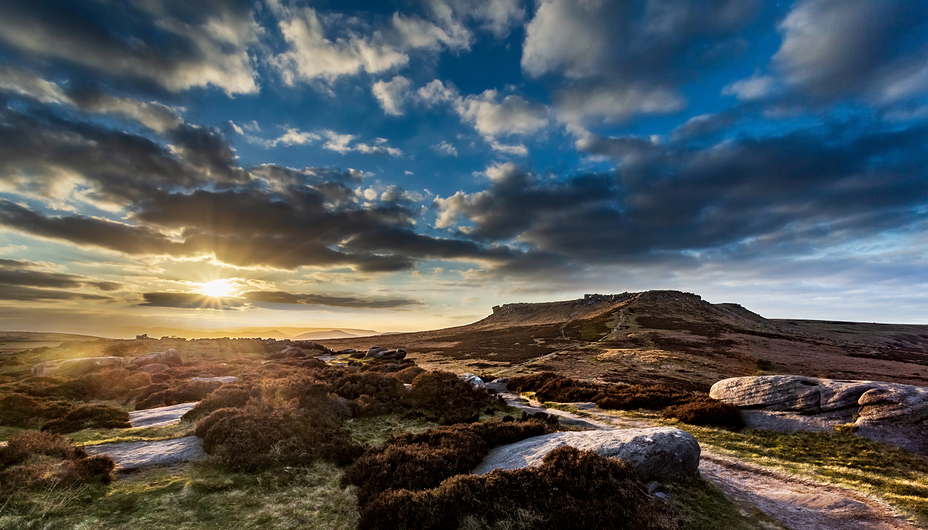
140, 434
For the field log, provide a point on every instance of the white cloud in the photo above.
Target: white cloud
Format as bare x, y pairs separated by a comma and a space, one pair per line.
445, 148
499, 171
297, 137
752, 88
392, 94
518, 149
340, 143
612, 104
436, 92
512, 115
566, 36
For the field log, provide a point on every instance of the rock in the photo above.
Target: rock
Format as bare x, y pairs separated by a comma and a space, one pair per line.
885, 412
346, 351
660, 454
134, 455
156, 368
376, 352
225, 379
314, 348
358, 355
69, 367
291, 352
159, 416
393, 355
169, 357
473, 379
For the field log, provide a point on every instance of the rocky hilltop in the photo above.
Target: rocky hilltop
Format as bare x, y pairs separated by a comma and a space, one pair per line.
664, 337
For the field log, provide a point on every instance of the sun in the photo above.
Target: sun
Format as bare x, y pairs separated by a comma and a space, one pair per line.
217, 288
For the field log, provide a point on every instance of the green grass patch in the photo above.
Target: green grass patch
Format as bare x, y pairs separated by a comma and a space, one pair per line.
140, 434
705, 507
375, 430
198, 496
894, 475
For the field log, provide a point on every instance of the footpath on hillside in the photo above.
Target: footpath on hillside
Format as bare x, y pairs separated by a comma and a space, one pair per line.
798, 504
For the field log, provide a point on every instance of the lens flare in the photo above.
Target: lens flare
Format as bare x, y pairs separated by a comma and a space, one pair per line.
217, 288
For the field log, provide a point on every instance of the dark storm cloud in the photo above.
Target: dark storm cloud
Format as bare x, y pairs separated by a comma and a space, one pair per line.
280, 297
22, 280
791, 193
166, 44
622, 58
190, 199
189, 301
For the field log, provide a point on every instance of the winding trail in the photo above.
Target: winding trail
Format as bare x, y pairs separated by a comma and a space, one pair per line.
796, 503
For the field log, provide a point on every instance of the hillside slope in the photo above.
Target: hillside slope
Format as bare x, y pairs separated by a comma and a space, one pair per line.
664, 337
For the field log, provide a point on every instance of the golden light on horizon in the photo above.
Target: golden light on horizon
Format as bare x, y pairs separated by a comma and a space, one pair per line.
218, 288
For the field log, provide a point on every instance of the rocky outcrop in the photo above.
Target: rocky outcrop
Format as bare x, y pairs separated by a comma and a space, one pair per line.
662, 454
170, 358
71, 367
134, 455
160, 416
379, 352
886, 412
473, 379
156, 368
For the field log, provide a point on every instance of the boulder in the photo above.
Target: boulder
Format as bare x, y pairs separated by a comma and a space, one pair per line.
71, 367
156, 368
169, 357
291, 352
473, 379
160, 416
394, 355
376, 352
886, 412
663, 454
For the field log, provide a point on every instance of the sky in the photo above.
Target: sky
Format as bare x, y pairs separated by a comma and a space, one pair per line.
408, 165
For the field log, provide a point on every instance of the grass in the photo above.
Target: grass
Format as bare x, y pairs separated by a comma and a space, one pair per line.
197, 496
879, 470
140, 434
705, 507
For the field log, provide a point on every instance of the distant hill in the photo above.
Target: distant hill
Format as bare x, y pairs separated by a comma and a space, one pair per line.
332, 334
664, 337
42, 336
280, 333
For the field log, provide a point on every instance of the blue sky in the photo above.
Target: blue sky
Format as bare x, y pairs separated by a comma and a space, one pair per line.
408, 165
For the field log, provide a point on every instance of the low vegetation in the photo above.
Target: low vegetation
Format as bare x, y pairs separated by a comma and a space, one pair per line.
688, 407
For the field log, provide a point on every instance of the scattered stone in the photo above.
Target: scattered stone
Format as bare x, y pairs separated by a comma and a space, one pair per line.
660, 454
156, 368
394, 355
376, 352
169, 357
884, 412
225, 379
160, 416
69, 367
473, 379
134, 455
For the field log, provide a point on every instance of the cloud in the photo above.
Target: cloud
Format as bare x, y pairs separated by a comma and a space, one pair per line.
280, 297
23, 280
787, 195
871, 48
340, 143
611, 60
491, 117
189, 301
391, 94
173, 45
445, 148
156, 116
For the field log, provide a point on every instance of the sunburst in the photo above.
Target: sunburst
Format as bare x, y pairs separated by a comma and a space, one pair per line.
218, 288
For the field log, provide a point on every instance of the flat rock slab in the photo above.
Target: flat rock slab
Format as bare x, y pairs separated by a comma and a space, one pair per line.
134, 455
160, 416
658, 453
224, 379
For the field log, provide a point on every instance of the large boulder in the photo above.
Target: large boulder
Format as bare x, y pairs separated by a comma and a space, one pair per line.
170, 358
473, 380
662, 454
886, 412
72, 367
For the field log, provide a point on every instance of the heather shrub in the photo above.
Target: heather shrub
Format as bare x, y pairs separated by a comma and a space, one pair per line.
42, 460
629, 397
109, 384
260, 436
408, 374
704, 410
572, 489
173, 392
442, 397
421, 461
20, 410
228, 396
549, 386
92, 416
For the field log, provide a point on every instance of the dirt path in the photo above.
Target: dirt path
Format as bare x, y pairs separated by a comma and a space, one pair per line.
796, 503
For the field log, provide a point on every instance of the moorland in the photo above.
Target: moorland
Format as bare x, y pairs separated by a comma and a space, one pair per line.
347, 441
